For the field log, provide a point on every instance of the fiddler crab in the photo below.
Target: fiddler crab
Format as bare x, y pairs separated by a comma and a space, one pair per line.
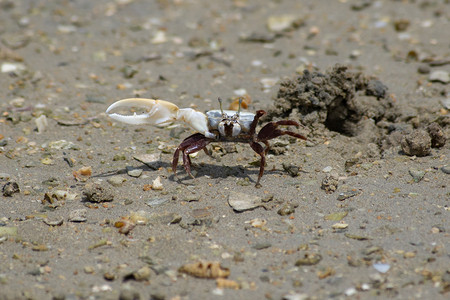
216, 126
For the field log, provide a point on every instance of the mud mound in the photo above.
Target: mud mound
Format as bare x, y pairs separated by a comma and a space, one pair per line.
340, 99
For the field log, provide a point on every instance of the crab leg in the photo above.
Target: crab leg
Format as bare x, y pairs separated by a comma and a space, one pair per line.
260, 150
191, 144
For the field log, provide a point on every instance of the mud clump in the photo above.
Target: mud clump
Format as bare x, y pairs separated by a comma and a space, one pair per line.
340, 99
437, 135
417, 143
94, 192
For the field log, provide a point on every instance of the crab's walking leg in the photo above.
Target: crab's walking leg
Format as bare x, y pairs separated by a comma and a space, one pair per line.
260, 150
271, 131
258, 115
191, 144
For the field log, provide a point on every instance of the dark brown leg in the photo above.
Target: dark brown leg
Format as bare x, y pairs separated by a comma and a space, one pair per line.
191, 144
271, 131
260, 150
258, 115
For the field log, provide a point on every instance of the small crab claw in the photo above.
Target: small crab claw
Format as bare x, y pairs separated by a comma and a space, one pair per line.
160, 113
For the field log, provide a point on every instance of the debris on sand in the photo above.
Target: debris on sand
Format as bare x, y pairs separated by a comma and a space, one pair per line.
205, 269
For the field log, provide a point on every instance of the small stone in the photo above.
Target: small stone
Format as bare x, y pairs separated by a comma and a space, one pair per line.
336, 216
339, 226
159, 37
10, 188
446, 103
417, 175
309, 259
286, 210
292, 170
423, 69
409, 254
242, 202
134, 172
439, 76
78, 215
129, 293
350, 292
330, 182
156, 184
297, 296
437, 135
263, 245
116, 180
89, 269
446, 169
417, 143
63, 145
157, 202
327, 169
283, 23
345, 195
95, 192
57, 222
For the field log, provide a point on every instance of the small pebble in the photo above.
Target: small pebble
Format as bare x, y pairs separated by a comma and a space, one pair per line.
446, 169
350, 292
116, 180
330, 182
129, 293
78, 215
156, 184
327, 169
417, 175
263, 245
157, 202
286, 210
423, 69
242, 202
134, 172
282, 22
439, 76
10, 188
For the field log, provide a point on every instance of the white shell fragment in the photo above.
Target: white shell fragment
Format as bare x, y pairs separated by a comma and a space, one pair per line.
12, 67
41, 123
382, 268
156, 184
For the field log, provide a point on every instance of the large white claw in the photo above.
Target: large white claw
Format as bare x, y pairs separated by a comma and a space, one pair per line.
161, 113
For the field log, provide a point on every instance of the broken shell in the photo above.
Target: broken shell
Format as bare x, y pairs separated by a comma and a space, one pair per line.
156, 184
205, 269
223, 283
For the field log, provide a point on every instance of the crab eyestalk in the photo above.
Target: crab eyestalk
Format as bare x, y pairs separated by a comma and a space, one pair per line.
239, 107
220, 106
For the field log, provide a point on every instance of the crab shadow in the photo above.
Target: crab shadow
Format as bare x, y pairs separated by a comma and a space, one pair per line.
219, 172
199, 170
